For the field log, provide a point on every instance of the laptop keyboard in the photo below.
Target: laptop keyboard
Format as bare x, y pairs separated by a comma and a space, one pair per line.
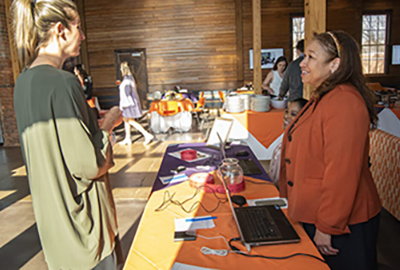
260, 223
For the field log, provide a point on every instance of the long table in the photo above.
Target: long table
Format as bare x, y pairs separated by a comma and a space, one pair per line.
154, 246
169, 162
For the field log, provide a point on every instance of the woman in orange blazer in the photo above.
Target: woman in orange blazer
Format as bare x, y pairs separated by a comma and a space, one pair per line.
325, 173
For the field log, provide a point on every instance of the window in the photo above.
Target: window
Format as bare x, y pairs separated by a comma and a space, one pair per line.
373, 45
297, 33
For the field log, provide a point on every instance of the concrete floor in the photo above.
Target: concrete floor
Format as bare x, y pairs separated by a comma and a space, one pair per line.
132, 179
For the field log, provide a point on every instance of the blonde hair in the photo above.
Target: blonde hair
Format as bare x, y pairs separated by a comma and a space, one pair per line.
32, 21
125, 69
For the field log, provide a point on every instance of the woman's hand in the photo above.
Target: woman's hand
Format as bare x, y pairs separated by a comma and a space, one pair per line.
323, 242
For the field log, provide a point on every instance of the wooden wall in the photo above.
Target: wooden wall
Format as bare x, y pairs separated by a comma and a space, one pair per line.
343, 15
275, 20
193, 43
188, 43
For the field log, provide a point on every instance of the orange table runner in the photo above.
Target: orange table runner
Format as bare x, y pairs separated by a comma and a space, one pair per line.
396, 109
170, 107
266, 127
154, 246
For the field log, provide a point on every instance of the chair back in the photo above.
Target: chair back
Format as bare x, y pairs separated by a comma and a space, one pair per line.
221, 96
385, 168
186, 105
201, 103
92, 102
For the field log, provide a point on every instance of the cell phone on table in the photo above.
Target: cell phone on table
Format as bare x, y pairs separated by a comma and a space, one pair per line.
178, 169
278, 202
185, 236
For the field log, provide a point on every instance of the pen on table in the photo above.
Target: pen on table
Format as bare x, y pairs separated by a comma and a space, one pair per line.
199, 219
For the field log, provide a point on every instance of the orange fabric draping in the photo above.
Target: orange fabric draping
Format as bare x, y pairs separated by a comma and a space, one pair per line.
248, 92
154, 246
266, 127
396, 110
171, 107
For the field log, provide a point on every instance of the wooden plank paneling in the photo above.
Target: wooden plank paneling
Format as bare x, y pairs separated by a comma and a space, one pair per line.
315, 22
275, 21
196, 44
257, 80
188, 43
239, 42
13, 49
83, 56
343, 15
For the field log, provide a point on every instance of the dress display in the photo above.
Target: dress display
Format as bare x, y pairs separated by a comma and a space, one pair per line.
129, 102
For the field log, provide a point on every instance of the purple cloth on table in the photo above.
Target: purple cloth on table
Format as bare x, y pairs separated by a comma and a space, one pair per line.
169, 162
378, 109
190, 96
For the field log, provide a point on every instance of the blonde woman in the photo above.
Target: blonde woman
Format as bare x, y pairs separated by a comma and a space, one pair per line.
66, 153
129, 104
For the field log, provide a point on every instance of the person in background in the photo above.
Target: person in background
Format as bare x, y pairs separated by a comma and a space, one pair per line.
325, 172
272, 82
129, 104
292, 110
292, 82
66, 153
85, 80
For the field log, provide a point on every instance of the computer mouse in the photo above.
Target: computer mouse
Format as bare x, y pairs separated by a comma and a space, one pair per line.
238, 200
242, 153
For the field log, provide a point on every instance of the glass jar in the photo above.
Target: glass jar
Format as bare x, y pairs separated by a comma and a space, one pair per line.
231, 172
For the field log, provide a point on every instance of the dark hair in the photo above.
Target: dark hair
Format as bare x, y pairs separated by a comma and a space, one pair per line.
301, 101
81, 70
350, 70
280, 59
300, 45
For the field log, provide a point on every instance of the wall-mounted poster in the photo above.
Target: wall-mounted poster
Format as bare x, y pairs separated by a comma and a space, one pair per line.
268, 57
396, 55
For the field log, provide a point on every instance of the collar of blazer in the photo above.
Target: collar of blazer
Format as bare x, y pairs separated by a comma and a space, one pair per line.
300, 119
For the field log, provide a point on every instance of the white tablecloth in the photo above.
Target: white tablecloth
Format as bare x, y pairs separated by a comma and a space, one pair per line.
181, 122
389, 122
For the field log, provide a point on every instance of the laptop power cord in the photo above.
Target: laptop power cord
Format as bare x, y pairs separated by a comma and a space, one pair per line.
209, 251
237, 251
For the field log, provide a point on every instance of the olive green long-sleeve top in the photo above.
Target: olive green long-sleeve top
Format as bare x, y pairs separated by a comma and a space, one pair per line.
67, 158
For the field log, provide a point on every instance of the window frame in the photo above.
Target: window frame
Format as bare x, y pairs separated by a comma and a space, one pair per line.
388, 52
291, 16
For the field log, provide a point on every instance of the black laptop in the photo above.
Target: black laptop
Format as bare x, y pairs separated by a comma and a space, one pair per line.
262, 225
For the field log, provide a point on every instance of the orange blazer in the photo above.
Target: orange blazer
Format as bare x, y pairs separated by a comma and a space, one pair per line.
324, 173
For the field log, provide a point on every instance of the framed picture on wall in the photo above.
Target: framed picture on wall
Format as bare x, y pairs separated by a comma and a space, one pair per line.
396, 55
268, 57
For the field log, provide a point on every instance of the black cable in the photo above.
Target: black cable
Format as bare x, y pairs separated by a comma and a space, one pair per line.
237, 251
169, 199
